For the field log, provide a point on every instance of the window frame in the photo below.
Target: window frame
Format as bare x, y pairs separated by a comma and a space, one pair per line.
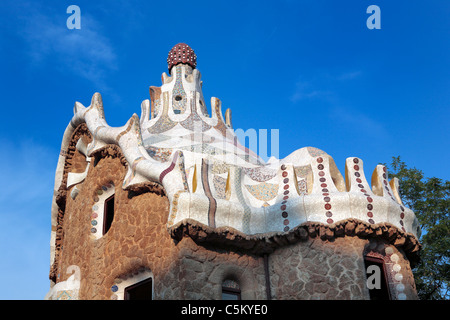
376, 260
233, 288
232, 291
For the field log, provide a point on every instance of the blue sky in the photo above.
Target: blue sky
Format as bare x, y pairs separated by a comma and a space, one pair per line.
311, 69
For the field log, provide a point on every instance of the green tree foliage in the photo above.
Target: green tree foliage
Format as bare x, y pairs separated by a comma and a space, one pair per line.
429, 199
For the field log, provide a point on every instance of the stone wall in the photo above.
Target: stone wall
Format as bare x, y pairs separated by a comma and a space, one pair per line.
317, 269
205, 268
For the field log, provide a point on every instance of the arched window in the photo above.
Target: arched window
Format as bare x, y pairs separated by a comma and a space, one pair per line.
102, 214
108, 214
231, 290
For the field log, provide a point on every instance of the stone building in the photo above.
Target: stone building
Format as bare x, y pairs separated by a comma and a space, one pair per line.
172, 206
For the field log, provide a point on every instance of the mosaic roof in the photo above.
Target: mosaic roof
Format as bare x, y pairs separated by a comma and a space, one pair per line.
213, 180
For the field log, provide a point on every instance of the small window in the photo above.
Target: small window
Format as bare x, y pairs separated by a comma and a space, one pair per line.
108, 215
231, 290
139, 291
376, 279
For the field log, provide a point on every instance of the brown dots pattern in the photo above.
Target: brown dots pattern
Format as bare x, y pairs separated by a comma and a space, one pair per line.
385, 182
364, 189
325, 192
283, 206
402, 215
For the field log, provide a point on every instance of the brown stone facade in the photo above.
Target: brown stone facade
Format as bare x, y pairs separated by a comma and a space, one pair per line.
318, 269
191, 263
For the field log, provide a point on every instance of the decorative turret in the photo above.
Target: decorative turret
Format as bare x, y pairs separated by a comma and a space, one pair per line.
218, 190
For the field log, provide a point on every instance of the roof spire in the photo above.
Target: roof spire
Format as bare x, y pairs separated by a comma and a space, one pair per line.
181, 53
